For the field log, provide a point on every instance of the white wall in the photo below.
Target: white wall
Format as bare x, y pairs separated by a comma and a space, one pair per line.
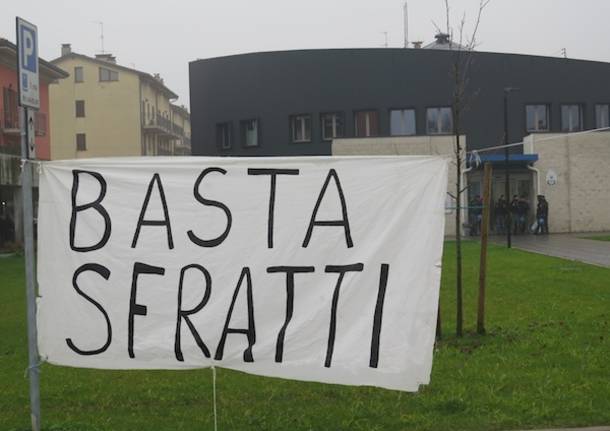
580, 199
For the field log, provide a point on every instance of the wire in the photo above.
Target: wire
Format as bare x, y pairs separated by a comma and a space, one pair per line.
548, 138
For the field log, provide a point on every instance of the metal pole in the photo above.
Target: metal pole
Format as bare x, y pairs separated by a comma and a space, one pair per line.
484, 240
30, 273
508, 222
406, 23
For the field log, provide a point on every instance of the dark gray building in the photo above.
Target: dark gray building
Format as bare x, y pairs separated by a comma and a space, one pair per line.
296, 102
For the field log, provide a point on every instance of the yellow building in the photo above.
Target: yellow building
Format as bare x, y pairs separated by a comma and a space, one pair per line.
105, 109
182, 125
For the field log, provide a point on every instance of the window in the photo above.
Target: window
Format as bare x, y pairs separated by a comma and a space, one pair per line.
79, 75
537, 118
108, 75
300, 128
439, 121
602, 116
571, 118
80, 108
10, 117
250, 133
366, 123
332, 125
523, 188
81, 142
40, 124
402, 122
223, 136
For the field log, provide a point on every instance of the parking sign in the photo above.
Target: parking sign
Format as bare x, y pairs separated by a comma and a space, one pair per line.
27, 48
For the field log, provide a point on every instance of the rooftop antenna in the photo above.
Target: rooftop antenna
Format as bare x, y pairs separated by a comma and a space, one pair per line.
385, 34
406, 23
101, 34
564, 52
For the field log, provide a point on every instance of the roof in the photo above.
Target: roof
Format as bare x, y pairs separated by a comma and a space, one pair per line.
393, 51
180, 109
443, 41
47, 69
144, 75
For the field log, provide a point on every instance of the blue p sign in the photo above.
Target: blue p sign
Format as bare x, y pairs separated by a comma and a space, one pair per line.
27, 43
29, 49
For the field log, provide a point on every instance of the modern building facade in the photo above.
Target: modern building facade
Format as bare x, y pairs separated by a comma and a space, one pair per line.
10, 136
297, 102
301, 102
105, 109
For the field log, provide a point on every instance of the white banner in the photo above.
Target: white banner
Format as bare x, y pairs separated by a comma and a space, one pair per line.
312, 268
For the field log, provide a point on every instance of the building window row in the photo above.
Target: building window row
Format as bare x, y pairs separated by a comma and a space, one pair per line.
403, 122
537, 117
332, 124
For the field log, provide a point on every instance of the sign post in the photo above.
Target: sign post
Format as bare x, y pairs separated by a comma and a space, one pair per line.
29, 100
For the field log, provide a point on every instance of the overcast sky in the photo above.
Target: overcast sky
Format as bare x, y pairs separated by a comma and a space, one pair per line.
156, 36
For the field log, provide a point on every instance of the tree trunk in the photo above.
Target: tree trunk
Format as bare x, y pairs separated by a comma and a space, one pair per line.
458, 237
484, 237
439, 328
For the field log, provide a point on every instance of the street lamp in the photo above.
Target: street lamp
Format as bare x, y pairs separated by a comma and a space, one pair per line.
508, 219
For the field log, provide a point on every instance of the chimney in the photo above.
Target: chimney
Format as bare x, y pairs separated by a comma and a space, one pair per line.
417, 45
157, 76
66, 49
442, 38
106, 57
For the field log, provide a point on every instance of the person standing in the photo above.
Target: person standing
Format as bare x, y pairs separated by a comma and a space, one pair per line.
542, 216
478, 213
523, 208
474, 211
514, 212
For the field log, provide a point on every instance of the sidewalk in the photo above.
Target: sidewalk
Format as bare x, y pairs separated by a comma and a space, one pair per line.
567, 246
603, 428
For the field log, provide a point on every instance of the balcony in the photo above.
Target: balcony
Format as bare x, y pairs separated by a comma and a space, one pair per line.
159, 124
178, 130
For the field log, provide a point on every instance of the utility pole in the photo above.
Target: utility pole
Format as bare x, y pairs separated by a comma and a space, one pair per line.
405, 10
484, 240
29, 101
101, 24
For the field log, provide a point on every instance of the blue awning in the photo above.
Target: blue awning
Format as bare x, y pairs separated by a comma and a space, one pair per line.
500, 159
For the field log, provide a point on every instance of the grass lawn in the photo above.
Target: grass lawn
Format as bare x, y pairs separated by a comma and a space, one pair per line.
598, 237
544, 363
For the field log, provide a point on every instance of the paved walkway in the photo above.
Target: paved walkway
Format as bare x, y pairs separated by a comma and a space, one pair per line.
567, 246
579, 429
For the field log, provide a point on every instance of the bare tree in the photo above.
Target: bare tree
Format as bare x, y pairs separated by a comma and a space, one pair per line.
461, 100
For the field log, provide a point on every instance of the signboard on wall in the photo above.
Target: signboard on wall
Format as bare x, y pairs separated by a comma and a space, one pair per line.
312, 268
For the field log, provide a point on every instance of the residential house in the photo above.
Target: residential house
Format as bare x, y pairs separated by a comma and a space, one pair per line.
10, 137
108, 110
